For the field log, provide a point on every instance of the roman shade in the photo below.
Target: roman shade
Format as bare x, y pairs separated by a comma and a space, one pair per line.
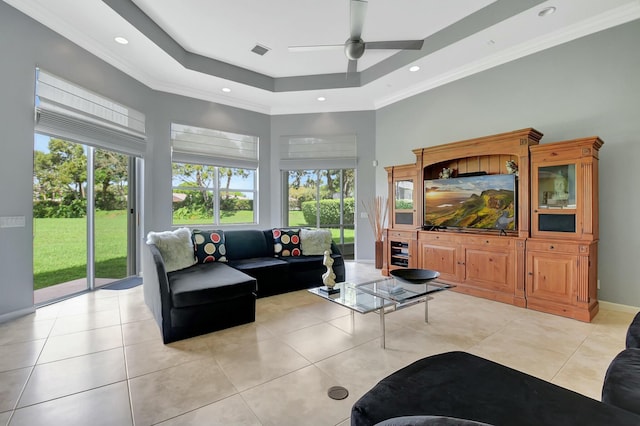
68, 111
318, 152
214, 147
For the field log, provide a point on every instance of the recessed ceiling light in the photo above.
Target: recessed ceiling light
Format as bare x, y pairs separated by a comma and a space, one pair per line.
414, 68
547, 11
121, 40
321, 98
226, 90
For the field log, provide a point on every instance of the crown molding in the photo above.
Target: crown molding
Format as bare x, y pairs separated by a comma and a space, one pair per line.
609, 19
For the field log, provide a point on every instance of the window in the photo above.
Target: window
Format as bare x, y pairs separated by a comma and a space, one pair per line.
204, 194
319, 184
214, 176
323, 198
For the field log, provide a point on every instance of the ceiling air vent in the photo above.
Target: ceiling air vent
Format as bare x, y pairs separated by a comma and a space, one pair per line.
260, 49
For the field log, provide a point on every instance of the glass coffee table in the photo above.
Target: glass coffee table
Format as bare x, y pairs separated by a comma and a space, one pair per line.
383, 296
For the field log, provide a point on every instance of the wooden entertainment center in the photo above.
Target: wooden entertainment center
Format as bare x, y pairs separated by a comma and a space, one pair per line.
548, 262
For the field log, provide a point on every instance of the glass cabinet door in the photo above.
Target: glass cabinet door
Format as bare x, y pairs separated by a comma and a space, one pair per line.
403, 202
557, 187
554, 200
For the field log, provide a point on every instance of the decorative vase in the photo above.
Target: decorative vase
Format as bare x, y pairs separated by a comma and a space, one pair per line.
379, 252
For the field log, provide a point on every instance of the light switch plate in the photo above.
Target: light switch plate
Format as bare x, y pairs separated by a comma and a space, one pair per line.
12, 222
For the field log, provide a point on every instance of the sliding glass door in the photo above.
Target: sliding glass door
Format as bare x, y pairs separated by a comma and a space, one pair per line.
84, 224
323, 199
112, 216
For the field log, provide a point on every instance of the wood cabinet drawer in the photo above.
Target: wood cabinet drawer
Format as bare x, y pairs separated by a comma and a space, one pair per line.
489, 241
558, 247
408, 235
436, 237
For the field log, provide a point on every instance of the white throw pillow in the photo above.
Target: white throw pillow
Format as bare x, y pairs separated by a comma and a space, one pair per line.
315, 241
176, 248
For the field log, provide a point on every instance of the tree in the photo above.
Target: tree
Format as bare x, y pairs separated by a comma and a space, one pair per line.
296, 177
227, 173
111, 170
196, 177
71, 162
44, 183
62, 172
333, 178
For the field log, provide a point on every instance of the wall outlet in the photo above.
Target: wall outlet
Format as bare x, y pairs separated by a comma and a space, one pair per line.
598, 284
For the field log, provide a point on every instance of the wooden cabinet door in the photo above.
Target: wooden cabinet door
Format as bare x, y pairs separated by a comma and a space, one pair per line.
441, 258
552, 276
403, 196
490, 269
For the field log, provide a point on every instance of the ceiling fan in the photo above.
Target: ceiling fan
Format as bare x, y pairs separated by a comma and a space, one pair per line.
355, 47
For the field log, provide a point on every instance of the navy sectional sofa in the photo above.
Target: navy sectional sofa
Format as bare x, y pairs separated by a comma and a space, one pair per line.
208, 297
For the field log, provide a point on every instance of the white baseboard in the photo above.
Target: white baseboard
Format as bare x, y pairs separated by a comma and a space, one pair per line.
16, 314
365, 261
609, 306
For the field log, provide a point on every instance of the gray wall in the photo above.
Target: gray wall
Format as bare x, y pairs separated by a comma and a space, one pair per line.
587, 87
25, 44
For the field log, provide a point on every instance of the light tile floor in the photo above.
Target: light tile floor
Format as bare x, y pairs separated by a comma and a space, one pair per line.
98, 358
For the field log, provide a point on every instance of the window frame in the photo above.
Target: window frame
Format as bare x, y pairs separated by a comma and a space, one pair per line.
216, 192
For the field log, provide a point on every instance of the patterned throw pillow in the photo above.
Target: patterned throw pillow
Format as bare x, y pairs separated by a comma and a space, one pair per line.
286, 242
209, 246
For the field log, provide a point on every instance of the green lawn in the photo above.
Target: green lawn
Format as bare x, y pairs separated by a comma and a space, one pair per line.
60, 248
296, 218
60, 245
239, 217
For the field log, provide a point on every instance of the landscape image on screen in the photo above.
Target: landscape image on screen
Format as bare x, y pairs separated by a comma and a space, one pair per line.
485, 202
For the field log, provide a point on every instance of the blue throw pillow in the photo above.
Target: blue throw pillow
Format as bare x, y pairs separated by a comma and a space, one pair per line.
209, 246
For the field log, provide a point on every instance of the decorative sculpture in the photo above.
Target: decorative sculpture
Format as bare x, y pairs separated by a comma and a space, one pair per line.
329, 277
446, 173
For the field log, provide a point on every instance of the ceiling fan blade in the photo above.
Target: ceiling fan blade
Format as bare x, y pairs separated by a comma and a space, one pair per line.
358, 13
397, 44
352, 66
315, 48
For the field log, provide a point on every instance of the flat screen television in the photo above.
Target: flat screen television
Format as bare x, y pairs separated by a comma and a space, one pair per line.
478, 202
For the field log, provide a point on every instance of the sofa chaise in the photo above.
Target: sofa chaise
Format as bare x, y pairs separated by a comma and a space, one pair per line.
214, 284
458, 388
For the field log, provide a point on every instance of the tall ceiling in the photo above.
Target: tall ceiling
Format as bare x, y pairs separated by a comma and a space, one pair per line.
197, 48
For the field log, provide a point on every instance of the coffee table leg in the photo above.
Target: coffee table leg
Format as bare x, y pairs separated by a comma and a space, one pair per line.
426, 310
382, 339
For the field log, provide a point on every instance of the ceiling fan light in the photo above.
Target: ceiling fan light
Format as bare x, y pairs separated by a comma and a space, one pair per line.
354, 49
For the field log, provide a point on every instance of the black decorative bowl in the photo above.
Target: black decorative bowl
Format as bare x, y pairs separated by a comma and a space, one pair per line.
414, 276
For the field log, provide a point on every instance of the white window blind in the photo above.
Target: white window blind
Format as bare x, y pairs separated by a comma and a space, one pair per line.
333, 151
199, 145
71, 112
